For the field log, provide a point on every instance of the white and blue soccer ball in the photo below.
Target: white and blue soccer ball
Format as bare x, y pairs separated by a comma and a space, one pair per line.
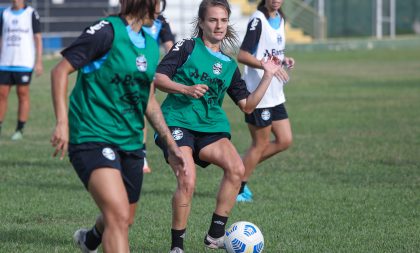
244, 237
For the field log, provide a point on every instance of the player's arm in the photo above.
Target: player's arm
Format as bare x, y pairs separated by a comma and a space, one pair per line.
250, 43
249, 103
165, 35
85, 49
36, 27
39, 68
168, 67
155, 117
59, 83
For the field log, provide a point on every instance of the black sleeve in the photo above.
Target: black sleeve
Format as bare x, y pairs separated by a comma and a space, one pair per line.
1, 23
252, 36
176, 57
36, 22
91, 45
165, 33
237, 89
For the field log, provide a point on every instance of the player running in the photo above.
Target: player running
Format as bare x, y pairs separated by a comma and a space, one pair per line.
265, 37
197, 74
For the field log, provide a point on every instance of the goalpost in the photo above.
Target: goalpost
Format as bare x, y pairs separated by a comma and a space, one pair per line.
384, 19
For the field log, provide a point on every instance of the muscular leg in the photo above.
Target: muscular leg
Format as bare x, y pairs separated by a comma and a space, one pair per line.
4, 94
283, 138
107, 189
262, 148
223, 154
182, 198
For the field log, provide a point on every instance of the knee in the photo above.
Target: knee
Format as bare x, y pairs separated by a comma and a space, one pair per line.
187, 187
118, 219
235, 171
283, 144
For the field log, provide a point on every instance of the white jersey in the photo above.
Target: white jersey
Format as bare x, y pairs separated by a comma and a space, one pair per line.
18, 44
272, 41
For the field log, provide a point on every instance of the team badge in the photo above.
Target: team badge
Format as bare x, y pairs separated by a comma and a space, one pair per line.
141, 63
25, 78
217, 68
177, 134
265, 115
108, 153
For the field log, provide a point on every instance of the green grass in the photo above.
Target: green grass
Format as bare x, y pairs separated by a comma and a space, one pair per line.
349, 183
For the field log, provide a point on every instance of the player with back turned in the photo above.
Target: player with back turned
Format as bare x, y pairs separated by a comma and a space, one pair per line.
116, 62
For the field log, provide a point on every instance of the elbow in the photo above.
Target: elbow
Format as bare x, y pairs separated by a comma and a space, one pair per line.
248, 110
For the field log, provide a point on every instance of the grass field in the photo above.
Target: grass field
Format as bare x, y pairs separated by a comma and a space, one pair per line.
349, 183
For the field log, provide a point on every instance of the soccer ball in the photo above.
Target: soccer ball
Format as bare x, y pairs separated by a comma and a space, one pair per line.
244, 237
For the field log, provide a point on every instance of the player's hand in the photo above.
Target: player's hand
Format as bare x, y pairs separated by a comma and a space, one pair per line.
271, 67
39, 68
289, 62
197, 91
177, 161
60, 139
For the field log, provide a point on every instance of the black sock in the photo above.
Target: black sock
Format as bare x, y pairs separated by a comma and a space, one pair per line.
93, 238
242, 187
144, 149
20, 125
178, 238
217, 226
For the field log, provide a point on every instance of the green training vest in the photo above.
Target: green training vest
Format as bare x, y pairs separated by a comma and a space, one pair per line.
108, 104
204, 114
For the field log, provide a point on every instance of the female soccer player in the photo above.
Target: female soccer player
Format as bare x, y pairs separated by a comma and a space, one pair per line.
116, 62
197, 73
265, 36
20, 55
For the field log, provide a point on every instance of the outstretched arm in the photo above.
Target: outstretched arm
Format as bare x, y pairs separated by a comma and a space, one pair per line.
270, 69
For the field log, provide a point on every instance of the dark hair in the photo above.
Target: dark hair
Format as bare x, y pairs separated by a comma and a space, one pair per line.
262, 5
140, 8
230, 41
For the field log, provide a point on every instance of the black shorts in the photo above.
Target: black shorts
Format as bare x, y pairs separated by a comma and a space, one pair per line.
87, 157
14, 77
262, 117
193, 139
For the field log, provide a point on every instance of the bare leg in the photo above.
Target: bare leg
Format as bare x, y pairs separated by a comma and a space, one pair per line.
24, 102
4, 94
262, 148
182, 198
108, 191
223, 154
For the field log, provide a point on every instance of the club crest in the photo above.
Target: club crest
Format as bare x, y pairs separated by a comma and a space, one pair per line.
177, 134
108, 153
265, 115
141, 63
217, 68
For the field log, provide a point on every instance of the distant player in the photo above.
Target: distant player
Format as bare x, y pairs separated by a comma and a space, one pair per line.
162, 33
20, 54
265, 37
197, 74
